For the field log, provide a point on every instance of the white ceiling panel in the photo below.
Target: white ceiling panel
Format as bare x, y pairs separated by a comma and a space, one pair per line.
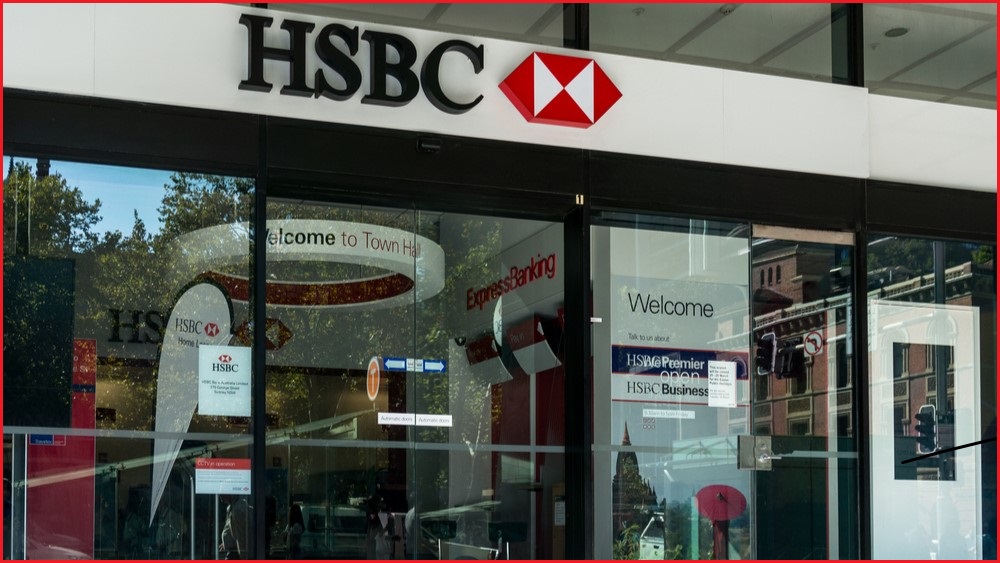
886, 56
809, 58
955, 68
503, 18
413, 12
753, 30
989, 87
646, 29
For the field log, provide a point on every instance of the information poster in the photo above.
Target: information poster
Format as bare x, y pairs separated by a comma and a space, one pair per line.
722, 384
224, 380
670, 343
222, 476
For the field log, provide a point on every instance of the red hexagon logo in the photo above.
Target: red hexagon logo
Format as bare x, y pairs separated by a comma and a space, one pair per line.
560, 90
225, 358
211, 329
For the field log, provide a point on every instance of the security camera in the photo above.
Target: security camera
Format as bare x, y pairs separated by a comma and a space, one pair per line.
460, 340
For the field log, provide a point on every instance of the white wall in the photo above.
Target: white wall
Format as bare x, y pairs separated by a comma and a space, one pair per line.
195, 55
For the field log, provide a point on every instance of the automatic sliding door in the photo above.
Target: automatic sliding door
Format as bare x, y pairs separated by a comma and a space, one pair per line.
672, 388
414, 382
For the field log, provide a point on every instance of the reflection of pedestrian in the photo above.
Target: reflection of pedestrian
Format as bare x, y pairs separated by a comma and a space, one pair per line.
293, 532
409, 533
136, 531
7, 511
234, 534
170, 532
989, 542
916, 543
990, 491
381, 529
951, 544
270, 519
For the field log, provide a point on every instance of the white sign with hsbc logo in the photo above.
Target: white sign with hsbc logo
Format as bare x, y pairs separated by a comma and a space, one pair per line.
224, 380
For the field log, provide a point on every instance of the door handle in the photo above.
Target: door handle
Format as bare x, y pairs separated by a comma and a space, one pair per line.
754, 453
765, 457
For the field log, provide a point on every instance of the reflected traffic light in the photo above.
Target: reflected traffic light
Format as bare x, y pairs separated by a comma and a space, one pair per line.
926, 427
766, 350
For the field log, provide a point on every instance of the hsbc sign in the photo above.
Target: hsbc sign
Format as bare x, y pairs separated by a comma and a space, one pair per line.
544, 88
560, 90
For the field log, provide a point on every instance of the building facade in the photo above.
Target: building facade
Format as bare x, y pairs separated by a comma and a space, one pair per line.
529, 281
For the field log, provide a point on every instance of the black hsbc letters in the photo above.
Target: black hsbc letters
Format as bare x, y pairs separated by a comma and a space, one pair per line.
344, 66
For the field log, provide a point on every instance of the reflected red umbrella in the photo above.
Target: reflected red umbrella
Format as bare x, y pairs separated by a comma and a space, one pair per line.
720, 504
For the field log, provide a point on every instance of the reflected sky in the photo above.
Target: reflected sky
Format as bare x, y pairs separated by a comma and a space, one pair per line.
122, 191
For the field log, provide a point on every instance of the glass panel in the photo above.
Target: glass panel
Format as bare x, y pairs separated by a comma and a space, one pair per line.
807, 503
778, 39
932, 318
415, 383
533, 23
672, 388
106, 311
935, 52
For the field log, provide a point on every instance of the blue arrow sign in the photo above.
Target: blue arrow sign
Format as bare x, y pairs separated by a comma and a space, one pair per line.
415, 365
395, 364
435, 366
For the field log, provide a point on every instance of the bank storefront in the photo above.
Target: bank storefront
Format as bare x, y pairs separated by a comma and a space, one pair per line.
329, 285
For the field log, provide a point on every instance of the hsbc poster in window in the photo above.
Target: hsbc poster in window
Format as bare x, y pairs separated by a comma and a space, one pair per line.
678, 335
671, 353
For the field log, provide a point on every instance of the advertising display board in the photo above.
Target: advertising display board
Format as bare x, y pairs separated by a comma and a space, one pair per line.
674, 359
673, 351
935, 512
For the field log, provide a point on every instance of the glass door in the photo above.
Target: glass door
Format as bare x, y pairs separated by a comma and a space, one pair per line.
671, 388
414, 383
802, 451
723, 391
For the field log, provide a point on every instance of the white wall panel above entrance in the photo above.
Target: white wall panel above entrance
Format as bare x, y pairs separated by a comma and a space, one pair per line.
771, 122
922, 142
49, 49
196, 55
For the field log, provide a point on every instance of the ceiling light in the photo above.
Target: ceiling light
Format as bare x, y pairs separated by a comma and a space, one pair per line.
896, 32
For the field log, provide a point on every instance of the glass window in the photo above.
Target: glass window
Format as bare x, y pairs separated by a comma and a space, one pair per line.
415, 382
936, 52
107, 396
932, 306
807, 315
674, 297
532, 23
779, 39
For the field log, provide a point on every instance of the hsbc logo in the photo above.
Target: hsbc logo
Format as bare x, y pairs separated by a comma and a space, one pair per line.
545, 88
560, 90
191, 326
225, 364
